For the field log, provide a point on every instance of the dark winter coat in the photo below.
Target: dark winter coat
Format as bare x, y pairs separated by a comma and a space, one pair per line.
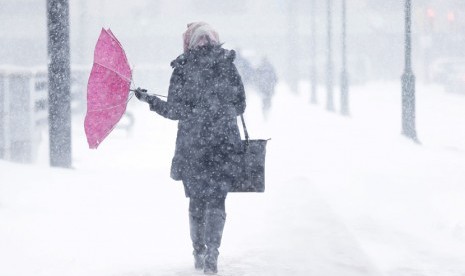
206, 95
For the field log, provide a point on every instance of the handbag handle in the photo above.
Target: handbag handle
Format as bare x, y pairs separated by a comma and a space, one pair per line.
246, 134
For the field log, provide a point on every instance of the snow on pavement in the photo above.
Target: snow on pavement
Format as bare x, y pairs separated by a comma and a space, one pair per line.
345, 196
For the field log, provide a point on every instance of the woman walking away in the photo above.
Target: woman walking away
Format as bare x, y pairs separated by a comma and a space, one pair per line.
205, 95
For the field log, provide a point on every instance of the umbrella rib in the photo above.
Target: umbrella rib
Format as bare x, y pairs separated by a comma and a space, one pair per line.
125, 78
107, 108
111, 107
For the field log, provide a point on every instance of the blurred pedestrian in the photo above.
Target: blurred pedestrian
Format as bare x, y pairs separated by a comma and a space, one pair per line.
205, 95
266, 82
245, 68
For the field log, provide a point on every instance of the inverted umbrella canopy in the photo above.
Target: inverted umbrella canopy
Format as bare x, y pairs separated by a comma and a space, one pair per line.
107, 89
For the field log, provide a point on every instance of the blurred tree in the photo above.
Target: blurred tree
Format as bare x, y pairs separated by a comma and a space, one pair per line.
344, 74
209, 6
293, 62
329, 62
313, 70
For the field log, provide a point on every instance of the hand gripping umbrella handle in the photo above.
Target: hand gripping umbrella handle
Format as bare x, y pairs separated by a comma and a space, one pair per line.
145, 90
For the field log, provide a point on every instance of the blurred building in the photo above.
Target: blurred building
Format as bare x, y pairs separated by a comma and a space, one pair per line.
150, 31
23, 32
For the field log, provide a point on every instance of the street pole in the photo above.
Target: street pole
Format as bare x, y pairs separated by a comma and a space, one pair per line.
408, 81
329, 65
59, 83
344, 75
313, 73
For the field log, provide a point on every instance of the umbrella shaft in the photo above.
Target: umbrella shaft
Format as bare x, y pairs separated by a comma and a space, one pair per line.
152, 94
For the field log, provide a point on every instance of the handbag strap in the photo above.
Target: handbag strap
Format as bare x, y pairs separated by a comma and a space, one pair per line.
246, 134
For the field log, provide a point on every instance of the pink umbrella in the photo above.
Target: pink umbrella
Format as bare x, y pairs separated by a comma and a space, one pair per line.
107, 89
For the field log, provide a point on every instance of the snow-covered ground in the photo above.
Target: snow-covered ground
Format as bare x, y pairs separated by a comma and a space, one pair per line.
345, 196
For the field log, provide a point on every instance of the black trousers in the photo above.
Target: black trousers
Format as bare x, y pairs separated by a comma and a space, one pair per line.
203, 225
199, 206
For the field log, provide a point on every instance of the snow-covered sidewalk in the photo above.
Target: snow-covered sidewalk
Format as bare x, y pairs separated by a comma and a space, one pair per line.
69, 222
345, 196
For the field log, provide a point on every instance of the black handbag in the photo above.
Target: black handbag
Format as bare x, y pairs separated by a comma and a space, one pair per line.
250, 165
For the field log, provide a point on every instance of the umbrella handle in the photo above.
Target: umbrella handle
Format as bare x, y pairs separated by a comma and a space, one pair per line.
145, 90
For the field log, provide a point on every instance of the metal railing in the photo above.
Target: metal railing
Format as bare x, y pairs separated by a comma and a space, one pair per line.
24, 109
24, 105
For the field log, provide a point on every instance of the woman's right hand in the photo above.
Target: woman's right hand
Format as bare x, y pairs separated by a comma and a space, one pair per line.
141, 94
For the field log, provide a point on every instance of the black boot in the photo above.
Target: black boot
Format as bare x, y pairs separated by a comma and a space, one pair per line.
197, 229
214, 225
